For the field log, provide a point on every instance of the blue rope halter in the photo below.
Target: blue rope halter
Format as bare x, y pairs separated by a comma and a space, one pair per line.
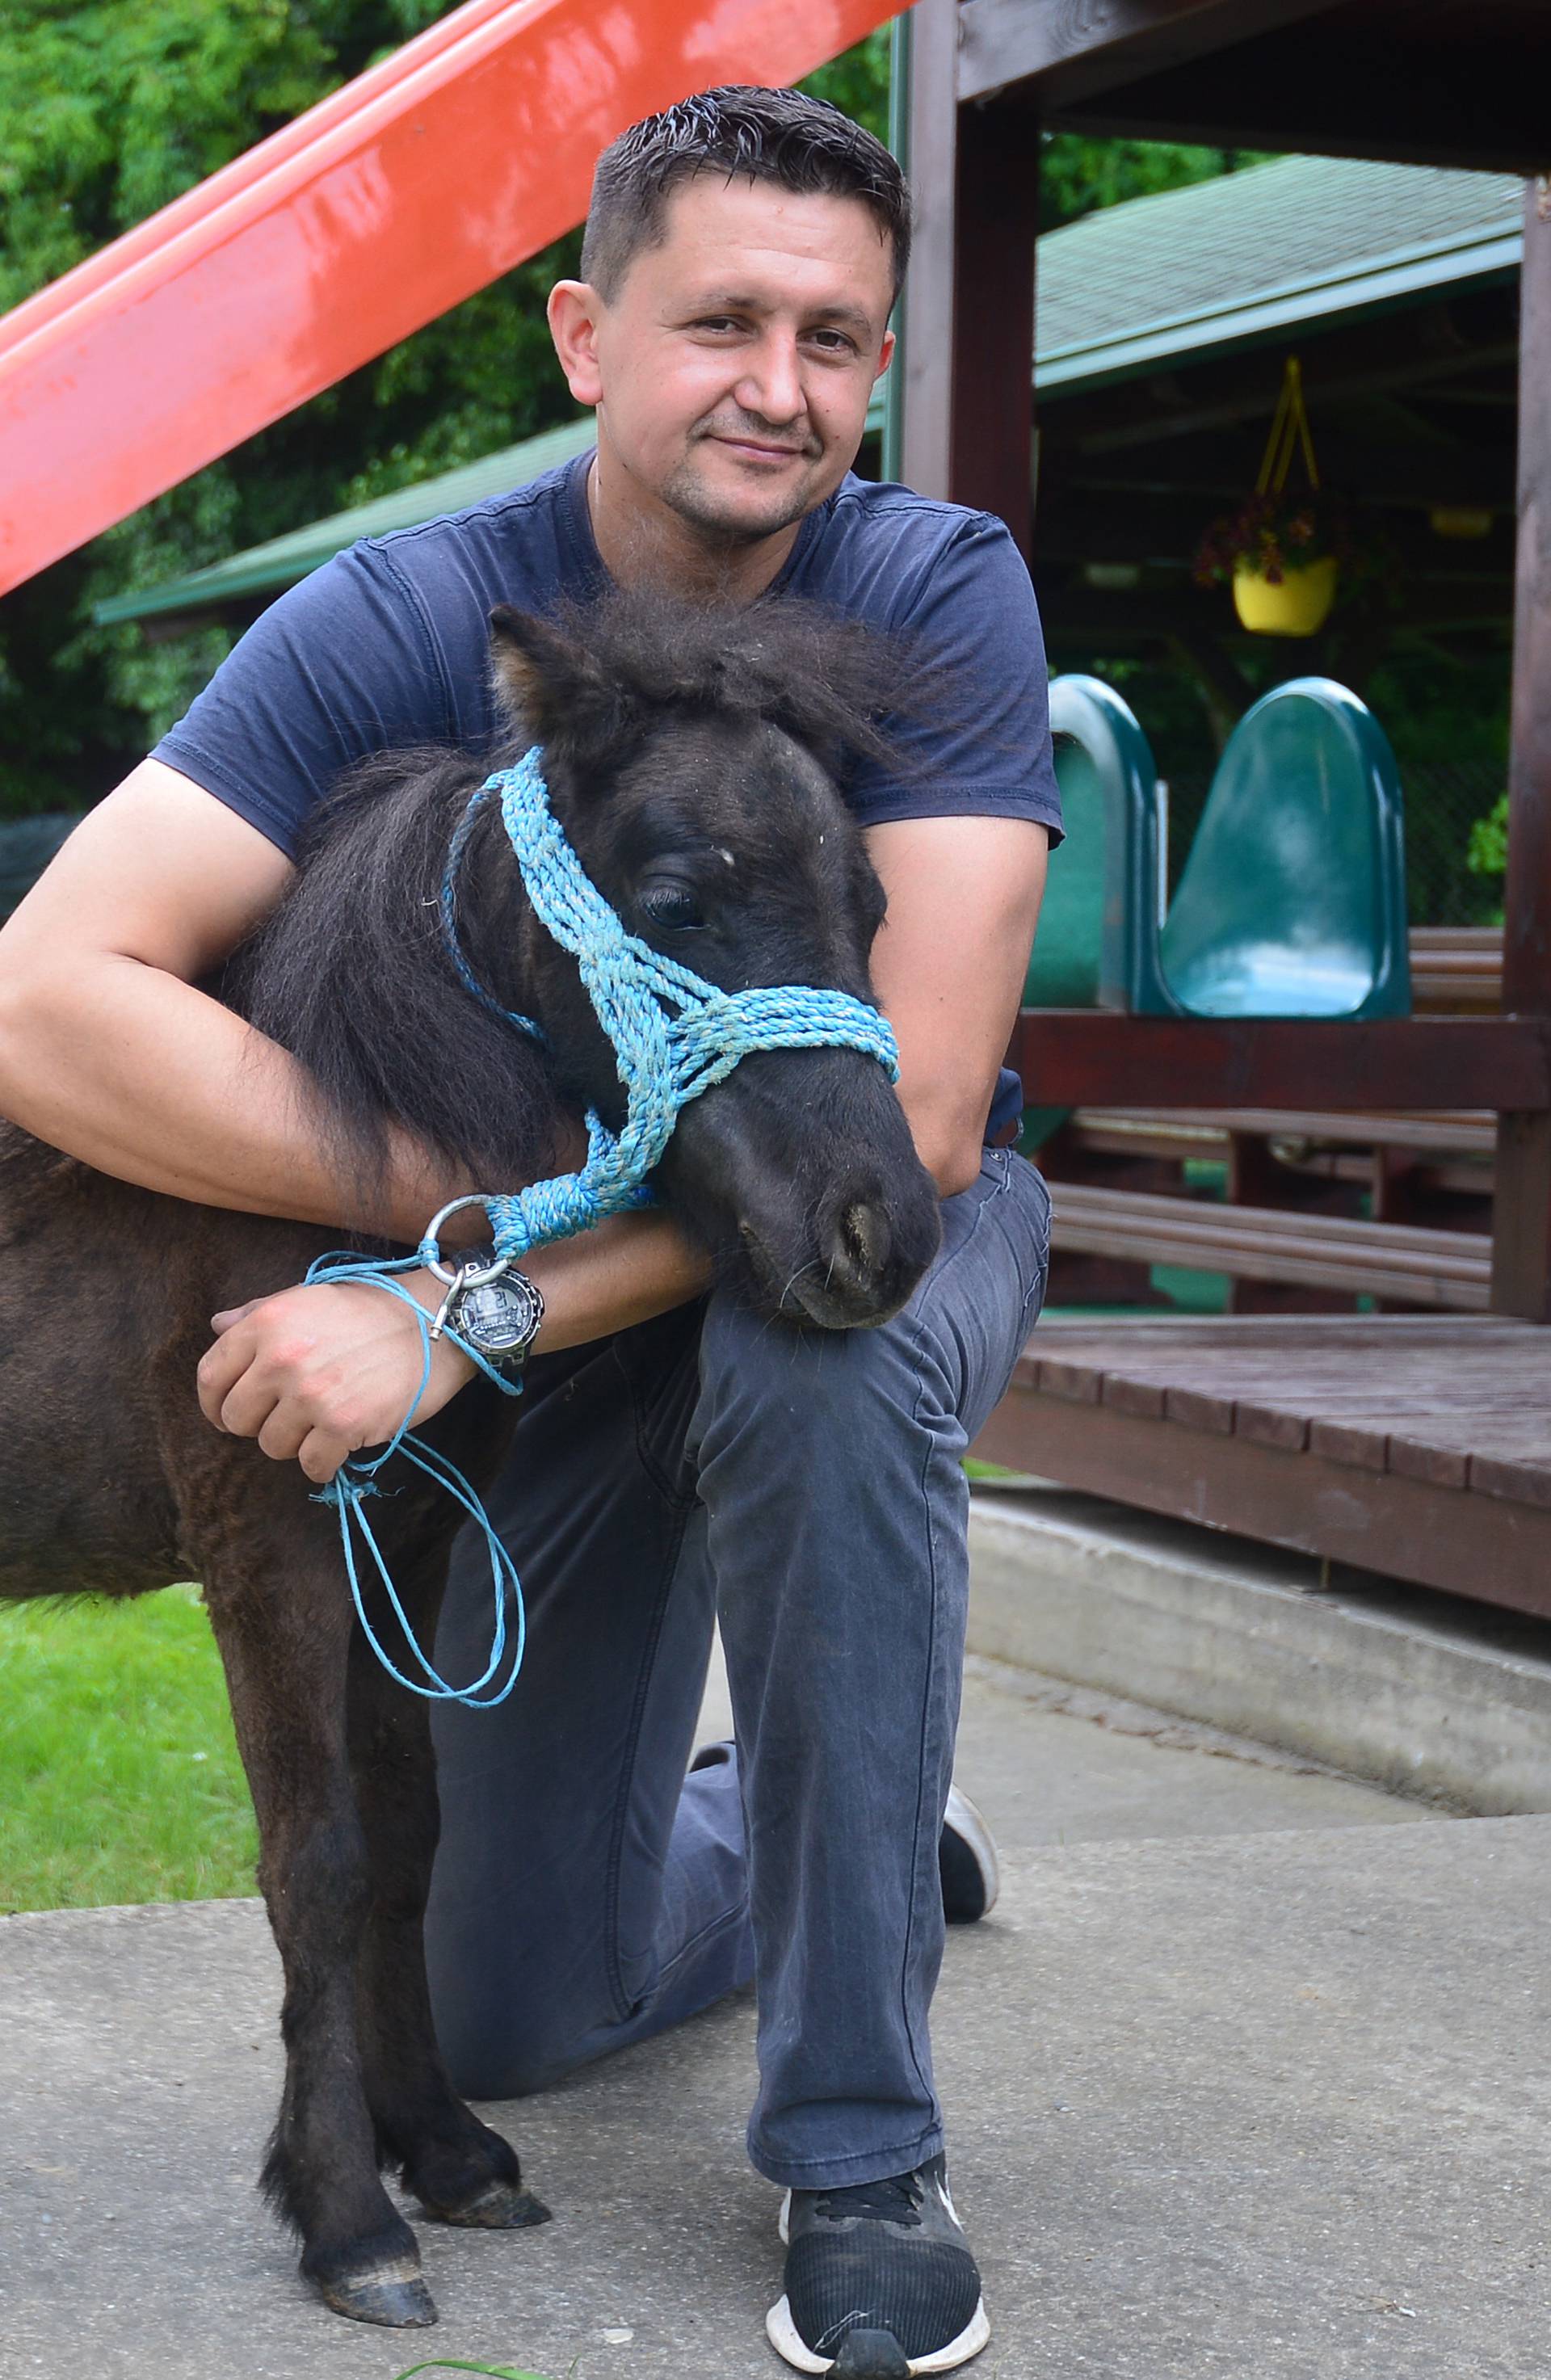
674, 1036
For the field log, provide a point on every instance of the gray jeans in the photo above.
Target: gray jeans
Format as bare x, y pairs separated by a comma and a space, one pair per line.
807, 1490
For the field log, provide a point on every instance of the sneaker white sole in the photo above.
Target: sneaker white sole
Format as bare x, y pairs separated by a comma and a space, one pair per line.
966, 1820
785, 2338
788, 2341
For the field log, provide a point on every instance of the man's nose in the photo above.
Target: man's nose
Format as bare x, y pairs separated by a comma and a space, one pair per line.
772, 385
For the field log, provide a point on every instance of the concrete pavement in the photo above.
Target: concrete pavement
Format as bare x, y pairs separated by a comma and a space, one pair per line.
1260, 2085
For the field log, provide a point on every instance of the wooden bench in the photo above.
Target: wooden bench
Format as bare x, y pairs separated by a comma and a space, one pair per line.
1320, 1205
1456, 970
1418, 1171
1449, 1151
1417, 1445
1396, 1262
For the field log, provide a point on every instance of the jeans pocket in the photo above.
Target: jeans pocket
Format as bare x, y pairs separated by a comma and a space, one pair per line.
1024, 1210
1037, 1194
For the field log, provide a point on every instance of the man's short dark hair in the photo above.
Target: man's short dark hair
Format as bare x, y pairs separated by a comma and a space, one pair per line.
800, 144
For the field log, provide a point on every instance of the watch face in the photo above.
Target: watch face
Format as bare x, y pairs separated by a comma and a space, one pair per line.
501, 1317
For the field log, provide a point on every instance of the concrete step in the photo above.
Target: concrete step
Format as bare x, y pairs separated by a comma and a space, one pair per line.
1425, 1694
1049, 1762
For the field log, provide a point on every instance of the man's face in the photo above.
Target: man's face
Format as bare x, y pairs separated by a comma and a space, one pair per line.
733, 367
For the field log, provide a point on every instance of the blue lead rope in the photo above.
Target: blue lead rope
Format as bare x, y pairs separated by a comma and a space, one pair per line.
354, 1482
674, 1035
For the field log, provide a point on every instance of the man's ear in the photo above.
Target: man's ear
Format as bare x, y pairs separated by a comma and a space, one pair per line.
549, 680
574, 310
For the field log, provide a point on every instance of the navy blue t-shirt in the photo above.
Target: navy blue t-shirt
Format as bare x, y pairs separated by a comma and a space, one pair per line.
388, 645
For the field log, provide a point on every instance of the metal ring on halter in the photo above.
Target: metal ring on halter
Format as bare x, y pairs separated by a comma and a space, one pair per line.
429, 1250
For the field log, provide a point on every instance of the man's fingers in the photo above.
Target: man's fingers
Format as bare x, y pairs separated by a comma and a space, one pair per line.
319, 1371
221, 1367
230, 1314
321, 1453
282, 1434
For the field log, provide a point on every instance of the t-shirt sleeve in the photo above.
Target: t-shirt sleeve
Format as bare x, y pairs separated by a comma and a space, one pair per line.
981, 742
342, 666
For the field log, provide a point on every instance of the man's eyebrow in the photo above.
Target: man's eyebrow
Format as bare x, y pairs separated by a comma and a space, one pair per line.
729, 301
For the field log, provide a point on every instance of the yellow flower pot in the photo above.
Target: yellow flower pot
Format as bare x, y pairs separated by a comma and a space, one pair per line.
1298, 606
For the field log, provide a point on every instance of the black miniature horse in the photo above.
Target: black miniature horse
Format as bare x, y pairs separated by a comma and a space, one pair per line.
690, 757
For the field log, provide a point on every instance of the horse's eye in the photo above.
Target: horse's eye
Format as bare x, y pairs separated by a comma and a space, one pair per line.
672, 906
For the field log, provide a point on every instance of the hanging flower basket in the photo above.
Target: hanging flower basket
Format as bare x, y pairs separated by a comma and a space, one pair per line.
1296, 604
1284, 549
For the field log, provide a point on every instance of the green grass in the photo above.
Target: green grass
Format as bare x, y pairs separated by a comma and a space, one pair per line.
119, 1777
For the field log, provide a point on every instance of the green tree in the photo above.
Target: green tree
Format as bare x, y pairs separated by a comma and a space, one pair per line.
106, 112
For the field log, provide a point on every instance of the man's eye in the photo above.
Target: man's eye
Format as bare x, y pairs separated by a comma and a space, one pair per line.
672, 906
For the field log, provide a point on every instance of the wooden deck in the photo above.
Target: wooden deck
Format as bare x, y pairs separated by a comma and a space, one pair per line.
1417, 1445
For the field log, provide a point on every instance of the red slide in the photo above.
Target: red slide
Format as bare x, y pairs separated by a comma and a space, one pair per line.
466, 152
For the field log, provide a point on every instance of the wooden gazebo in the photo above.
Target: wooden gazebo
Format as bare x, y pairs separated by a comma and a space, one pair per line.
1414, 1444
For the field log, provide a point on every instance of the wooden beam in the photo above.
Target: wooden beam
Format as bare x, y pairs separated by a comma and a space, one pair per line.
968, 420
1421, 347
1413, 473
1521, 1268
1372, 81
1080, 46
926, 410
1077, 1057
1147, 115
1527, 919
996, 223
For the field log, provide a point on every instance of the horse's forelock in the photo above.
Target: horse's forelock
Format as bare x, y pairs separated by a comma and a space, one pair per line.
593, 677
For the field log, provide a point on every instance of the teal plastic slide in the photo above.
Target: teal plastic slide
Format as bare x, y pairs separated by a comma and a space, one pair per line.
1293, 901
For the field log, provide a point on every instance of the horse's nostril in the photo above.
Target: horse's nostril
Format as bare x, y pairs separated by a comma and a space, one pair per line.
864, 1239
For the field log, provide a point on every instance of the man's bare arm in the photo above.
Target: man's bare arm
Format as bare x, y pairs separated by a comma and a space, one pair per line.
108, 1051
949, 967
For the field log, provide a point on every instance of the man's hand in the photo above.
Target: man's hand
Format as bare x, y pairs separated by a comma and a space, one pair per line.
319, 1371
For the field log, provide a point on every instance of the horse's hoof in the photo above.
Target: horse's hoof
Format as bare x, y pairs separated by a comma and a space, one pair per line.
497, 2206
395, 2295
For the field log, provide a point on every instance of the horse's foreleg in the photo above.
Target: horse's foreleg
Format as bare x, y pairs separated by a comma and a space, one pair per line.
459, 2169
283, 1623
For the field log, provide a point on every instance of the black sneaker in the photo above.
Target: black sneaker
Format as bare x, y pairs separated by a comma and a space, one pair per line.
879, 2280
966, 1859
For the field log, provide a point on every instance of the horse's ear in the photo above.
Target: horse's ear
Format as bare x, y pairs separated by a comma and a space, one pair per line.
550, 679
533, 666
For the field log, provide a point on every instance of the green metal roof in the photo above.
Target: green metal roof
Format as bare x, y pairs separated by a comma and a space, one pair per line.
1218, 265
265, 569
1252, 255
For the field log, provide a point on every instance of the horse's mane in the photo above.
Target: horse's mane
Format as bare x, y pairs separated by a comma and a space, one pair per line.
352, 972
352, 975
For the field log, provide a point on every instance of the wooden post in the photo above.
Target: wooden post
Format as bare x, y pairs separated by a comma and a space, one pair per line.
969, 300
926, 431
995, 228
1521, 1229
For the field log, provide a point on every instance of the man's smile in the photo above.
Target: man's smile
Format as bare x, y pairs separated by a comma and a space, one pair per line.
763, 449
